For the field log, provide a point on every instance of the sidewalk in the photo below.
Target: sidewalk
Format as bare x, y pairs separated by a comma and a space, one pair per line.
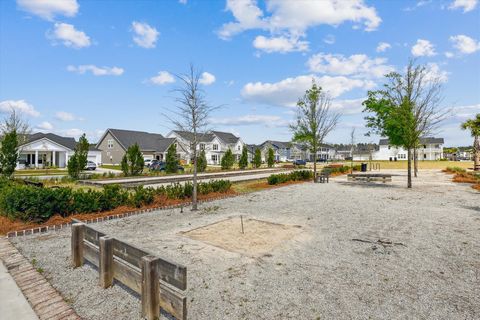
12, 301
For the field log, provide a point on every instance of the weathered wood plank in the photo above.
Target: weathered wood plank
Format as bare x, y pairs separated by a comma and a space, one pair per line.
91, 253
106, 262
150, 288
171, 299
77, 246
172, 273
93, 235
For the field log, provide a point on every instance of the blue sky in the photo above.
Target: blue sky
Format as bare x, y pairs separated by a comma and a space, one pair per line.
73, 66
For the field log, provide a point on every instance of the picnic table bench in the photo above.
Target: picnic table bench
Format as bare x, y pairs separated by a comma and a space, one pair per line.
322, 177
384, 177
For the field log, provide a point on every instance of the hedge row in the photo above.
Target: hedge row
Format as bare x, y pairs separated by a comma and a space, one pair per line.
341, 169
31, 203
299, 175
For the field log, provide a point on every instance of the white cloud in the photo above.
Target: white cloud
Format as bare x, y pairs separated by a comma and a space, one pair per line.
252, 119
286, 92
74, 132
383, 46
434, 73
145, 36
163, 77
465, 112
96, 71
207, 78
466, 5
280, 44
449, 54
359, 65
48, 9
465, 44
291, 20
69, 36
423, 48
20, 106
45, 125
348, 106
66, 116
329, 39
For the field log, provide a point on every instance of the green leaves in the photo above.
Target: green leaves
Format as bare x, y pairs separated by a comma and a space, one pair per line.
133, 161
202, 162
228, 160
270, 158
243, 162
171, 163
9, 153
78, 161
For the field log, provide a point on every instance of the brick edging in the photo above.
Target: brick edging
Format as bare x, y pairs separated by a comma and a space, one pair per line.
44, 299
26, 232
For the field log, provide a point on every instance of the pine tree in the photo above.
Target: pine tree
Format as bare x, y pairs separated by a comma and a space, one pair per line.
9, 153
271, 158
257, 159
202, 162
78, 161
171, 163
227, 160
134, 160
243, 162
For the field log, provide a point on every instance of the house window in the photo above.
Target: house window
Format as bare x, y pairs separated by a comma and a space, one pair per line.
424, 146
388, 147
425, 156
215, 147
110, 143
238, 148
202, 146
214, 158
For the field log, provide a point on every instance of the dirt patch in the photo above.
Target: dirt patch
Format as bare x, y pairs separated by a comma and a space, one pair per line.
259, 237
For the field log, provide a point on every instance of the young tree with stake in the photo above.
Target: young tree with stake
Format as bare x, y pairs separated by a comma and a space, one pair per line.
192, 116
314, 120
270, 158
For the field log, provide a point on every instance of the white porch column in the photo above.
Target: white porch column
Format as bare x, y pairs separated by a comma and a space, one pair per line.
36, 159
53, 159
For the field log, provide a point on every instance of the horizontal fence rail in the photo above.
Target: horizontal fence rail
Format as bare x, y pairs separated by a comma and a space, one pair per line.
159, 282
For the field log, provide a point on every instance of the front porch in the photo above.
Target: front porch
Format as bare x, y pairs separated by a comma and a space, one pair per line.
42, 159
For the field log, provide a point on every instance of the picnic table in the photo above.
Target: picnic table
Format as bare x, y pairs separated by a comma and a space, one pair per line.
322, 177
384, 177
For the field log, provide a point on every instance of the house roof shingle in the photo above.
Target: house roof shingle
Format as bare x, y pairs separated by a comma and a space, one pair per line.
226, 137
67, 142
202, 137
145, 140
425, 140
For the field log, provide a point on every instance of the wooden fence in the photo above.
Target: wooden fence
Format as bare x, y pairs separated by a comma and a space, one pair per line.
159, 282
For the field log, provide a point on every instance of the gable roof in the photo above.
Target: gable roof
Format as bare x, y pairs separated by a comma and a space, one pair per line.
145, 140
425, 140
278, 144
67, 142
227, 137
202, 137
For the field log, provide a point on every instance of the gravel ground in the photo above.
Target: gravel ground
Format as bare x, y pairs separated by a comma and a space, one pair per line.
431, 271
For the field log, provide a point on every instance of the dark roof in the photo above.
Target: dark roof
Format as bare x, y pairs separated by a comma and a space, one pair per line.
145, 140
226, 137
67, 142
252, 147
425, 140
278, 144
202, 137
93, 147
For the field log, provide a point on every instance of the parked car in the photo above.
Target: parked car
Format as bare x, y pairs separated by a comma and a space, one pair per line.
162, 166
147, 162
300, 162
91, 166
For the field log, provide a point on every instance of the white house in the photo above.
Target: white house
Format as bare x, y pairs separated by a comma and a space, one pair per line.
215, 144
47, 149
430, 149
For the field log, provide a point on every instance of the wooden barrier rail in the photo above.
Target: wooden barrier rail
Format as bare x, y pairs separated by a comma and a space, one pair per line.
159, 282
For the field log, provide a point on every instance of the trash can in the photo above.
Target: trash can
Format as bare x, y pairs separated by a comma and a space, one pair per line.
364, 167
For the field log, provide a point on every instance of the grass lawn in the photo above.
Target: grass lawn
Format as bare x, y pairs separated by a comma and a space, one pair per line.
427, 164
111, 167
40, 172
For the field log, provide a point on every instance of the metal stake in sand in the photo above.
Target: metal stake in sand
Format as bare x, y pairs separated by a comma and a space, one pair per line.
241, 220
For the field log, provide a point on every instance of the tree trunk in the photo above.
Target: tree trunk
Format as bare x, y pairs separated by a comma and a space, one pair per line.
314, 163
476, 153
415, 161
194, 193
409, 173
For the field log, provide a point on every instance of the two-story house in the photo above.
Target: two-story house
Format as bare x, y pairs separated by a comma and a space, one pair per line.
214, 143
430, 148
114, 143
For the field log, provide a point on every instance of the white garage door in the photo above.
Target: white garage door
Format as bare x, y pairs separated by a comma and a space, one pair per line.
92, 158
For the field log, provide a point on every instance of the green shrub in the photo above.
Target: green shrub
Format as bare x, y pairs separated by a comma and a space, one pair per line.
456, 170
142, 196
113, 196
299, 175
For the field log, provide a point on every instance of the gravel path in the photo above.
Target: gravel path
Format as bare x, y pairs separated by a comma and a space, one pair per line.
431, 271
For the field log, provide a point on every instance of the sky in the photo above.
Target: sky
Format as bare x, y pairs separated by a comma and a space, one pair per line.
75, 66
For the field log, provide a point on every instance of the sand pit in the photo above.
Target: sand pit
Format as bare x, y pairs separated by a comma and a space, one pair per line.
259, 237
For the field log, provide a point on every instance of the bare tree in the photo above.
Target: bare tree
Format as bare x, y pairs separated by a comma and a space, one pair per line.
15, 122
352, 148
191, 115
314, 120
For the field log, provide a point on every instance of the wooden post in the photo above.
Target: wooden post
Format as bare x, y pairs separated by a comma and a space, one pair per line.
106, 261
150, 288
78, 233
